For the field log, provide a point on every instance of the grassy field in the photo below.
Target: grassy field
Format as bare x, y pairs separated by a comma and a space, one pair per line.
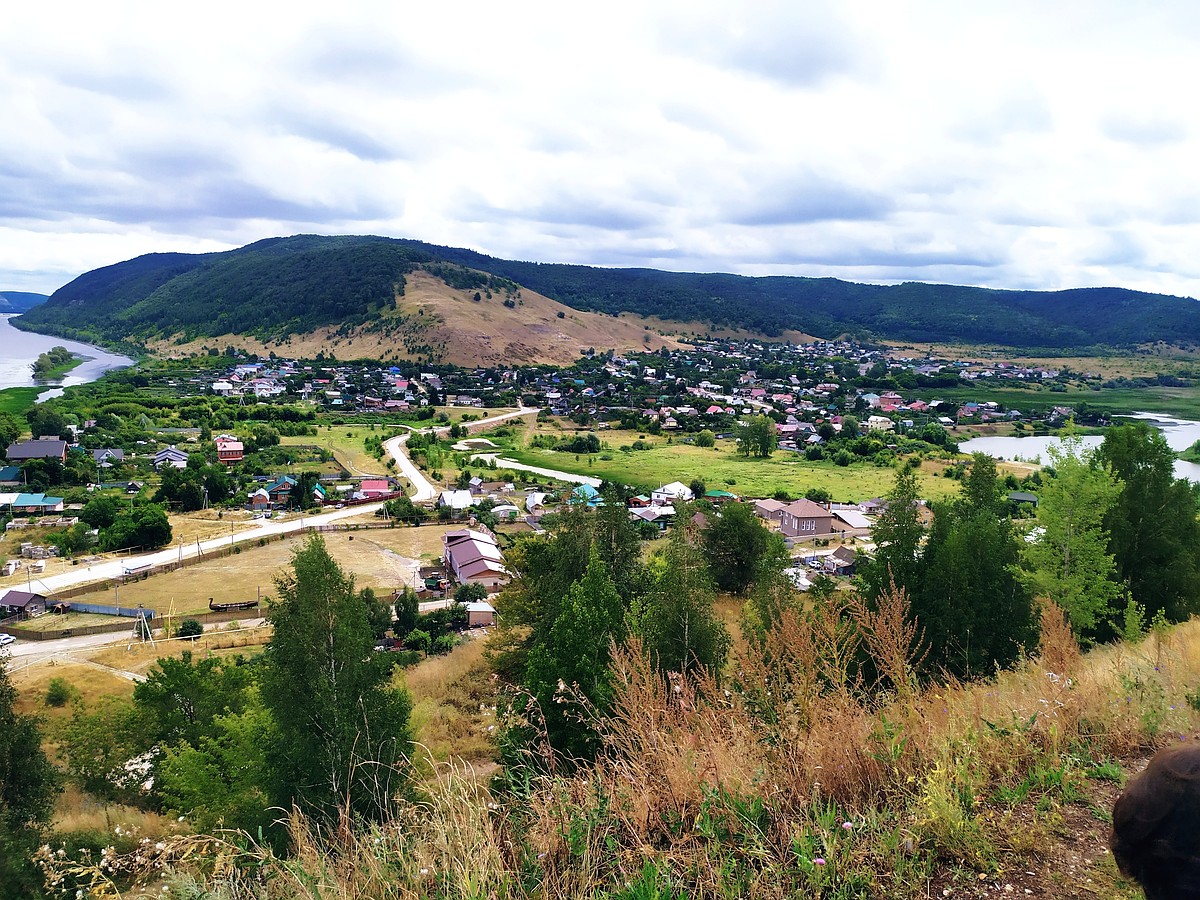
721, 467
454, 701
17, 400
142, 656
379, 559
345, 442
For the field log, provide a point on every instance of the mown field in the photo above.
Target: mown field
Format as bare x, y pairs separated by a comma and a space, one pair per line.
380, 559
722, 467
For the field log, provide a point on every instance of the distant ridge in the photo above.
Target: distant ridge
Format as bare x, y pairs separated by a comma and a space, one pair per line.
20, 301
280, 287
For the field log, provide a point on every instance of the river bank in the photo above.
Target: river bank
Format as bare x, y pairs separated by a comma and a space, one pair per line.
19, 350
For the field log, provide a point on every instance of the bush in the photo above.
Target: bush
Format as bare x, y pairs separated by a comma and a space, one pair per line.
59, 692
419, 640
189, 628
443, 644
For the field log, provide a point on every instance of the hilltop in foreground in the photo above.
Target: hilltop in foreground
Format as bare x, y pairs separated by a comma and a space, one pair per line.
377, 296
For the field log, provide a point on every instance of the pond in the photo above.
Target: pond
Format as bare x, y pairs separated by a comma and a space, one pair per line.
1180, 434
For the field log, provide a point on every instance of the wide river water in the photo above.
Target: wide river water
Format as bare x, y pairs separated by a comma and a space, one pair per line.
19, 350
1180, 434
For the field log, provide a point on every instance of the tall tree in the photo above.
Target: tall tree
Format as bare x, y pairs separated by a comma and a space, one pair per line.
976, 611
569, 671
1154, 535
342, 729
679, 629
735, 543
757, 437
28, 785
1068, 558
545, 567
897, 534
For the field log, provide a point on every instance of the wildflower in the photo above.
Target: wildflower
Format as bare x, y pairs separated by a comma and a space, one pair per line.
818, 861
847, 825
160, 846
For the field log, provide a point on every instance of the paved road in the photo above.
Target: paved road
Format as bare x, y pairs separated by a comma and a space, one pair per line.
24, 653
423, 490
537, 470
109, 569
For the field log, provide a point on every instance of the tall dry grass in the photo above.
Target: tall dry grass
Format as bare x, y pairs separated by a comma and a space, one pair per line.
801, 773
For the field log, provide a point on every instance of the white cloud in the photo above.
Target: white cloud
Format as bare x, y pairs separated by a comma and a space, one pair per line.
1029, 145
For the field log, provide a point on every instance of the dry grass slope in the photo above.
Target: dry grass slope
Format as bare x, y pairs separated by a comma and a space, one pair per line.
785, 780
458, 330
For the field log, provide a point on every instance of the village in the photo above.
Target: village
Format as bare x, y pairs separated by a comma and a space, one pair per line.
834, 400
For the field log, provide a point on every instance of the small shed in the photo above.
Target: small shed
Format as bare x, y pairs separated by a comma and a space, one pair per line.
480, 614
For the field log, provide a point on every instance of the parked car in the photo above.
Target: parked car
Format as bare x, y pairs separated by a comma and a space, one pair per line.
6, 639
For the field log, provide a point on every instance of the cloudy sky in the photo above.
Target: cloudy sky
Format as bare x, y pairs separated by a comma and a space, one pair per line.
1022, 145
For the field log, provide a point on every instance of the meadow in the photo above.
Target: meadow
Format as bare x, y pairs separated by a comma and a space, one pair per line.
722, 467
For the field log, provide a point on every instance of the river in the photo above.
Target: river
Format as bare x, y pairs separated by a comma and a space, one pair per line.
19, 350
1180, 434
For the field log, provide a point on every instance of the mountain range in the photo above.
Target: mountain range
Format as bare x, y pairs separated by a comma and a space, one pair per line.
20, 301
417, 300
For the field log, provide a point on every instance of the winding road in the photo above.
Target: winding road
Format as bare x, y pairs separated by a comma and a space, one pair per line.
109, 569
423, 490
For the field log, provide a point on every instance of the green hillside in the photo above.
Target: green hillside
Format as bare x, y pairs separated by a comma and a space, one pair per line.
293, 285
20, 301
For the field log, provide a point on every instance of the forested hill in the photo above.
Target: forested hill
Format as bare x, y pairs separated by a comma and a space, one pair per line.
293, 285
19, 301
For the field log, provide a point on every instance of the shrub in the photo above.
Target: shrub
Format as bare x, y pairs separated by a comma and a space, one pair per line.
59, 692
419, 640
190, 628
443, 644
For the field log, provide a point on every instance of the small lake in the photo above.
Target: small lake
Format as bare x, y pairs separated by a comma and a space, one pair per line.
1180, 434
19, 350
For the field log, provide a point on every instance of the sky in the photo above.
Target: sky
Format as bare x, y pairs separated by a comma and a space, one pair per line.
1016, 145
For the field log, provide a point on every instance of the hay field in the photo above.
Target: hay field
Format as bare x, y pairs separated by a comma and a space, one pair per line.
381, 559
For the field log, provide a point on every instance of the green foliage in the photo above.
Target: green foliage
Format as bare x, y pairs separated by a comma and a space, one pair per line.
1069, 560
975, 610
407, 609
757, 437
101, 511
897, 534
343, 730
181, 698
705, 438
544, 569
220, 781
144, 526
419, 639
59, 692
1154, 535
54, 358
470, 592
28, 785
98, 743
680, 632
189, 628
735, 543
568, 673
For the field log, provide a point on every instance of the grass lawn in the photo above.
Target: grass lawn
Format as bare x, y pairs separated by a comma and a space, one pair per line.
17, 400
91, 684
142, 656
379, 559
345, 442
55, 623
721, 467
